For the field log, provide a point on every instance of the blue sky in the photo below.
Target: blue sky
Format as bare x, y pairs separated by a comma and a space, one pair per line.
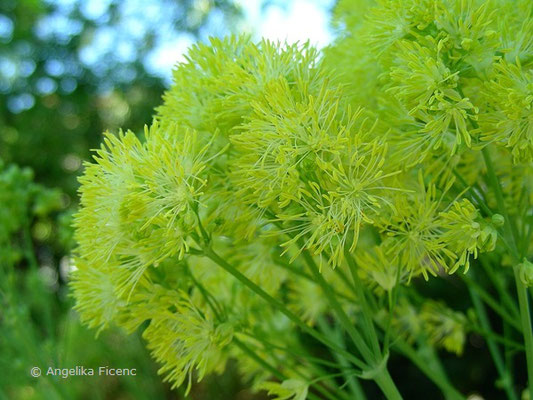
283, 20
293, 20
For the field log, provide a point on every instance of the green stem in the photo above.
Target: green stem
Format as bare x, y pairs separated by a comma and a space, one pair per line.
500, 286
508, 352
439, 379
493, 348
497, 338
393, 300
322, 390
523, 301
367, 314
526, 324
211, 302
495, 183
487, 298
387, 386
297, 355
282, 263
527, 235
280, 306
429, 366
253, 355
353, 383
357, 339
382, 378
329, 385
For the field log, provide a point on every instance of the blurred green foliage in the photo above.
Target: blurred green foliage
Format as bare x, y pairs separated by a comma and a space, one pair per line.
24, 205
37, 326
69, 69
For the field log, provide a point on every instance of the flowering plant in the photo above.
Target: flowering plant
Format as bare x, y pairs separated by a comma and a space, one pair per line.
285, 199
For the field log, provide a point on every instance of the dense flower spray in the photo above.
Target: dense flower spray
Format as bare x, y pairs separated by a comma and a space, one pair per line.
282, 193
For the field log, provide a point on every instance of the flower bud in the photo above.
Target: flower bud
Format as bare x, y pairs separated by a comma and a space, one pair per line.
498, 220
526, 272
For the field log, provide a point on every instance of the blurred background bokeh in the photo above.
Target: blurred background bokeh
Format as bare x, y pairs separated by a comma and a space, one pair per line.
70, 69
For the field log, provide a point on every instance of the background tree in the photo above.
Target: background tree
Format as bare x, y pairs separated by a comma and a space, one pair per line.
69, 70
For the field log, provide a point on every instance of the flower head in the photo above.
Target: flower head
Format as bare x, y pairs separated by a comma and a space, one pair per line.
445, 327
138, 201
466, 233
185, 340
509, 117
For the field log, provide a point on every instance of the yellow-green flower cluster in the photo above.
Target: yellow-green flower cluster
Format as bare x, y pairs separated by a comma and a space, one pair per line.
445, 327
186, 340
267, 160
138, 200
448, 67
508, 120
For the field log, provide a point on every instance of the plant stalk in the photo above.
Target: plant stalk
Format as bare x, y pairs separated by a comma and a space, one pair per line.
523, 302
281, 307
